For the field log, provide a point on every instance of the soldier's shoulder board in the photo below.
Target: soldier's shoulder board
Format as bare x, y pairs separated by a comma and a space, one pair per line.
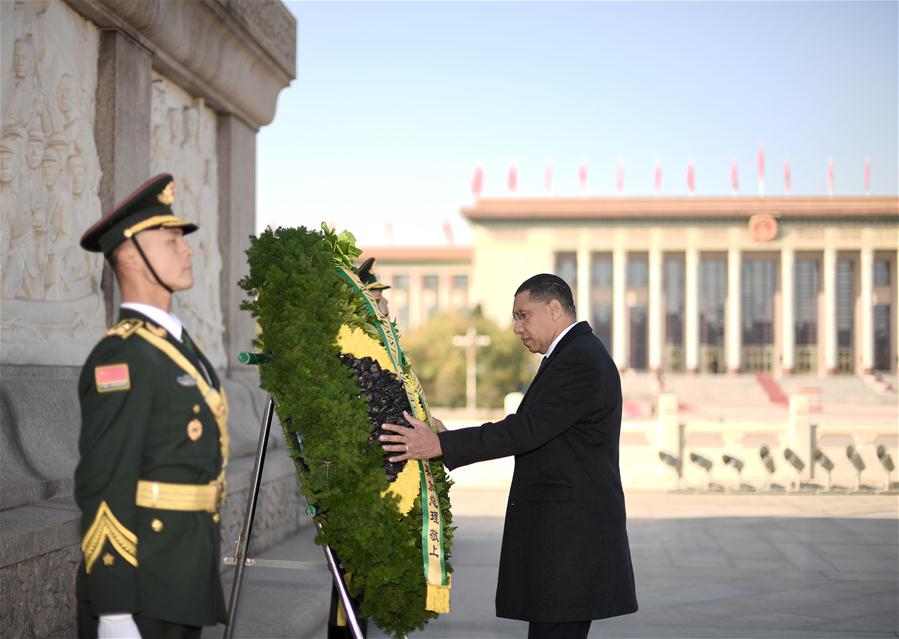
125, 329
112, 377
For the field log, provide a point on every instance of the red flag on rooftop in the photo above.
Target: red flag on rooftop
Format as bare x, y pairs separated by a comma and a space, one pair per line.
734, 178
548, 177
691, 178
582, 176
477, 181
513, 178
619, 178
448, 232
867, 176
761, 163
788, 178
657, 178
830, 177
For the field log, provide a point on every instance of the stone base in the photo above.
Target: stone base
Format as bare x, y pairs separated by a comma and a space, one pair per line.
40, 545
40, 524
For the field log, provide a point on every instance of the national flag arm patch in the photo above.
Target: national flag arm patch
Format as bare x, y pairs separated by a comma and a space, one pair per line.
114, 377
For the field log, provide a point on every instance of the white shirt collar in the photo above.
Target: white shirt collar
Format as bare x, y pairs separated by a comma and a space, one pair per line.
166, 320
557, 340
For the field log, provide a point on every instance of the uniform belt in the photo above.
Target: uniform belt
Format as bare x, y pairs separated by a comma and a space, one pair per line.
165, 496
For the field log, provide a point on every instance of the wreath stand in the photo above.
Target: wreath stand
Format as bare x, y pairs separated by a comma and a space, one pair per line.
240, 559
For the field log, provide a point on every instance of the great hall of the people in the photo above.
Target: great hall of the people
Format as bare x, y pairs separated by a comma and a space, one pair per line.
787, 285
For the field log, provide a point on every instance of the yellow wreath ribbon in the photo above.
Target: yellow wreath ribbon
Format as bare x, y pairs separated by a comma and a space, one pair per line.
415, 479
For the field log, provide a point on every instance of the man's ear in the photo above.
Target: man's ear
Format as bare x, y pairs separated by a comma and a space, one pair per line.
125, 257
555, 309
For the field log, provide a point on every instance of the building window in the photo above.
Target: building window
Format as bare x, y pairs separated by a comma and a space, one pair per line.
637, 271
712, 292
566, 268
601, 296
805, 314
459, 293
637, 299
882, 345
845, 315
881, 272
399, 300
673, 281
758, 281
430, 295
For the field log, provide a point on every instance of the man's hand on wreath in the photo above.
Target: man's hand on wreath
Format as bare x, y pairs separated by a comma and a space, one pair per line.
418, 442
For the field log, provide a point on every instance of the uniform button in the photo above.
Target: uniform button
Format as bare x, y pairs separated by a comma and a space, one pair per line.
216, 518
194, 429
196, 409
156, 525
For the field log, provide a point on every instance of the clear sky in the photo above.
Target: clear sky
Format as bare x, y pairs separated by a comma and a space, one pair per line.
395, 104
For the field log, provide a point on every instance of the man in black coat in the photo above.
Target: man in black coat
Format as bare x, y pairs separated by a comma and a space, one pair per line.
565, 557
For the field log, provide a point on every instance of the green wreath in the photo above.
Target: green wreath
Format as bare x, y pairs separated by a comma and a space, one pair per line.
303, 293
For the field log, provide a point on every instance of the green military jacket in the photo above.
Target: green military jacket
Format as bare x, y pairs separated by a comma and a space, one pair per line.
144, 417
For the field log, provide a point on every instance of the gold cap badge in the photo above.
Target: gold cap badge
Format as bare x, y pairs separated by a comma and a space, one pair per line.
167, 195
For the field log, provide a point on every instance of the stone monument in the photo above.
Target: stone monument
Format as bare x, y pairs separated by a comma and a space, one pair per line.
95, 97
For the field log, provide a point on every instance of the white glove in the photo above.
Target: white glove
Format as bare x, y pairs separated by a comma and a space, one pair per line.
120, 626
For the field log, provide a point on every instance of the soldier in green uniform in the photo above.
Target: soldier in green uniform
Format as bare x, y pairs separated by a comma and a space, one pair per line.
367, 276
153, 443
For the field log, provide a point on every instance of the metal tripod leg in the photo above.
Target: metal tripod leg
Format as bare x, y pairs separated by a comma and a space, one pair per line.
243, 542
351, 617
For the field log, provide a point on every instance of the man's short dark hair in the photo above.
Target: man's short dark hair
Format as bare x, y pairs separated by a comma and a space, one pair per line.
546, 287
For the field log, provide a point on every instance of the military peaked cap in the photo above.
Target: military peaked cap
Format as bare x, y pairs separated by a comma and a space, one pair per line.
149, 207
367, 276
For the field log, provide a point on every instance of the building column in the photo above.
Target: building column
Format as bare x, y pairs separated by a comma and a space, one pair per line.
829, 267
582, 295
236, 155
123, 97
732, 329
787, 302
691, 309
619, 311
656, 325
866, 275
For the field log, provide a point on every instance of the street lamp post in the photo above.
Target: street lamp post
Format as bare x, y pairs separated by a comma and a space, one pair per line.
470, 342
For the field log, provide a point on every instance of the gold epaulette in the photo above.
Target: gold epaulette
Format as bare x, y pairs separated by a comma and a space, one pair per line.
107, 527
126, 328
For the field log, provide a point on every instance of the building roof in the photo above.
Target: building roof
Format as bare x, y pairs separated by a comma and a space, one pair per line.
427, 254
547, 209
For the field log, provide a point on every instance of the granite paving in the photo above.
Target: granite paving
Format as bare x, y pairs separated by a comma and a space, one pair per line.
736, 566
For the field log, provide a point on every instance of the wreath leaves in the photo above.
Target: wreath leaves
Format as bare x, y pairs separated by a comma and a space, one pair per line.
300, 302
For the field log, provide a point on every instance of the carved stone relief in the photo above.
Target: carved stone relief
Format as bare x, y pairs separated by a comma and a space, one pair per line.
184, 134
52, 309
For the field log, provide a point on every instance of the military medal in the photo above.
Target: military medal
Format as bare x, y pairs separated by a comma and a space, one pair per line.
194, 429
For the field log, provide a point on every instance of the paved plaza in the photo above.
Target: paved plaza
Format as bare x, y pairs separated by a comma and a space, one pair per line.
732, 566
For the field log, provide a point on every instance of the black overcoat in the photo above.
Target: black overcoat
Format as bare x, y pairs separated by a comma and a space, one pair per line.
565, 554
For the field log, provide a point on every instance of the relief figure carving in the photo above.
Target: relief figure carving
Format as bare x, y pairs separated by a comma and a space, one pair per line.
49, 178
